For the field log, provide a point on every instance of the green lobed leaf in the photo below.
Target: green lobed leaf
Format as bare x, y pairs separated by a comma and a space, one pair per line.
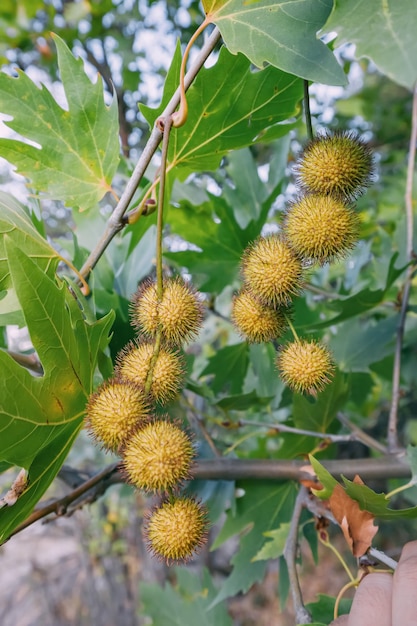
230, 107
171, 82
242, 402
281, 33
248, 192
275, 547
184, 603
323, 609
17, 225
228, 367
376, 503
318, 414
383, 31
40, 416
263, 508
268, 383
79, 147
365, 300
356, 347
221, 241
326, 479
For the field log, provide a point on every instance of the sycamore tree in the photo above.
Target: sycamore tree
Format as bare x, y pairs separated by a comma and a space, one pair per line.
215, 269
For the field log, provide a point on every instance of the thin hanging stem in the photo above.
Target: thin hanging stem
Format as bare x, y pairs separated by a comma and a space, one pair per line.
324, 539
307, 112
392, 435
291, 327
349, 585
165, 124
180, 117
390, 494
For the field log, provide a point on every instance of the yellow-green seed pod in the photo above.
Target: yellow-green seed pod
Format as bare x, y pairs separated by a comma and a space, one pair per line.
321, 228
136, 361
256, 321
271, 270
158, 456
177, 529
179, 314
115, 410
305, 366
339, 164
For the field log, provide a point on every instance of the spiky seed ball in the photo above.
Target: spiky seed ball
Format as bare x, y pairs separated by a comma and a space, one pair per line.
114, 411
177, 529
179, 313
256, 321
271, 271
158, 456
135, 361
321, 228
305, 366
339, 164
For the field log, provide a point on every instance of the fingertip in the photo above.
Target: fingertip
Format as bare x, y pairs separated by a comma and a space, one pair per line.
409, 550
372, 601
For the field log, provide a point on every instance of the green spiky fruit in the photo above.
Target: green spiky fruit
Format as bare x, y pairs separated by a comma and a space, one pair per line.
321, 228
114, 411
178, 315
256, 321
271, 271
339, 164
305, 366
158, 456
135, 362
177, 530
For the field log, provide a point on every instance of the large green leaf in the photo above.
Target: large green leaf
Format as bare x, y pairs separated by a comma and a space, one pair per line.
364, 300
77, 150
214, 228
318, 414
281, 33
185, 603
16, 224
382, 30
40, 416
356, 346
228, 367
263, 508
230, 107
322, 610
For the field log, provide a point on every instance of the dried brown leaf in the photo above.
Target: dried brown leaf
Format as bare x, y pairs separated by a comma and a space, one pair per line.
357, 525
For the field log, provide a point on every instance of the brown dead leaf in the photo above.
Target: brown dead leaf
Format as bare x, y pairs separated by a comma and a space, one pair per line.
357, 525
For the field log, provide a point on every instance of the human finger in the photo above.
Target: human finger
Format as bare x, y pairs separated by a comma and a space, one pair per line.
404, 599
372, 603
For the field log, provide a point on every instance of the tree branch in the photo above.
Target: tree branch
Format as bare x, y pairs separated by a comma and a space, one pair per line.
115, 223
302, 616
99, 483
214, 469
392, 435
356, 435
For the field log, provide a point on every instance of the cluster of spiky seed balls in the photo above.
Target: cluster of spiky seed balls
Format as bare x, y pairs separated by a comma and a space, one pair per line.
320, 226
124, 415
